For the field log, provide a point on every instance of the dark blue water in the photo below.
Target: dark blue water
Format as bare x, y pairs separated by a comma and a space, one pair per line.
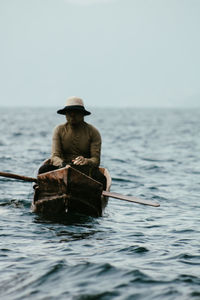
133, 251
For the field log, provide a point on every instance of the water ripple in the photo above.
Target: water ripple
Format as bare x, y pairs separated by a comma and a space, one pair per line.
133, 251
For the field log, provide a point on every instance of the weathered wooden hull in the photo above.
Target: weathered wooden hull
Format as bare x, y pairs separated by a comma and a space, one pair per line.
68, 190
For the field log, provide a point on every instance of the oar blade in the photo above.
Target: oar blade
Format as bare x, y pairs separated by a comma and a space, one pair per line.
130, 199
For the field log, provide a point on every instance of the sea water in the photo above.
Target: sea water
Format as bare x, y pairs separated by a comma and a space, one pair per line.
133, 251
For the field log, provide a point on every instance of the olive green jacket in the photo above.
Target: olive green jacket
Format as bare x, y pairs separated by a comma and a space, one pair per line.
69, 142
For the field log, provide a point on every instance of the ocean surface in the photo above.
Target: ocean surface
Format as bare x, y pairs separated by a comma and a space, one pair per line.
133, 251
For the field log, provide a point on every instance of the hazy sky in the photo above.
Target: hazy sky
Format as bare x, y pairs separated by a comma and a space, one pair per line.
109, 52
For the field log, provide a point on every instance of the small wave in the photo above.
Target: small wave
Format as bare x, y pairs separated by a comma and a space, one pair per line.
3, 179
154, 226
161, 198
183, 231
195, 294
138, 276
14, 203
5, 157
119, 160
155, 168
43, 133
17, 134
54, 269
4, 203
134, 249
17, 203
104, 296
50, 274
188, 256
105, 268
153, 188
188, 259
76, 236
121, 180
188, 279
156, 160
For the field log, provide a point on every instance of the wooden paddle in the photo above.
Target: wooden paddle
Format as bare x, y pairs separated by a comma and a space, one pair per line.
129, 198
104, 193
20, 177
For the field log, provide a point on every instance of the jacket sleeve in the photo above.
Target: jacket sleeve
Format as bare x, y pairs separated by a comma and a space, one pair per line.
95, 148
56, 154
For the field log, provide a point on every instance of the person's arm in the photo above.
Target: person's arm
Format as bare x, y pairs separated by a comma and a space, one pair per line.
95, 149
56, 153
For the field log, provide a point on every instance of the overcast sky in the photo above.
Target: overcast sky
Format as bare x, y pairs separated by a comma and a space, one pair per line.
109, 52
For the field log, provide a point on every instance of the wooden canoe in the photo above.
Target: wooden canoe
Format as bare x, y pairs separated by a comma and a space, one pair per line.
68, 190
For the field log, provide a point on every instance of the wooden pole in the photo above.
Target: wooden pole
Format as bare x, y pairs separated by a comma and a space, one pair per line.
20, 177
130, 199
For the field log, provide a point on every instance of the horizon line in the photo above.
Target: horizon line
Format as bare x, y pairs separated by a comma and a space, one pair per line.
106, 106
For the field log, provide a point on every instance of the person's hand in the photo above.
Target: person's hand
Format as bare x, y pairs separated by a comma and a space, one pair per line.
80, 160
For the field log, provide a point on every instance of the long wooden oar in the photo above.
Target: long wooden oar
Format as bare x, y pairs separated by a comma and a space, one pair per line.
104, 193
129, 198
20, 177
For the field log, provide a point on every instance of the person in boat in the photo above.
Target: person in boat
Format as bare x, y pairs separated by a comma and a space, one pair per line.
76, 142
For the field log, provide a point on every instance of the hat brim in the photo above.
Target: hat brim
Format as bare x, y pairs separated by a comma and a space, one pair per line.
73, 107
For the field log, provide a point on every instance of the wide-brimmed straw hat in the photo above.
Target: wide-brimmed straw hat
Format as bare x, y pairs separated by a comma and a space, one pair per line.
74, 103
